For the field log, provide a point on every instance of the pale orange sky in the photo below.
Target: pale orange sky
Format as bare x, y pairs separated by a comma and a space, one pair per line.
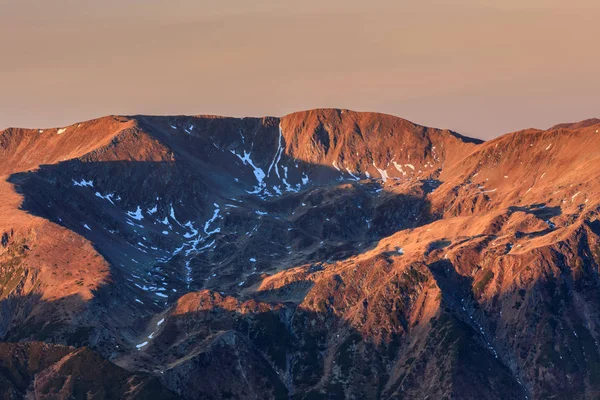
478, 67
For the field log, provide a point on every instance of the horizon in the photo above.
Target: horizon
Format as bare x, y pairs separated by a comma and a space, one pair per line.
480, 69
200, 115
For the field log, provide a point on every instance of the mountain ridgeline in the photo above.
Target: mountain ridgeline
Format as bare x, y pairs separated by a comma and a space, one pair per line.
327, 254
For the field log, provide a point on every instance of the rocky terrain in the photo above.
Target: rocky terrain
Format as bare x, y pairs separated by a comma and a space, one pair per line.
327, 254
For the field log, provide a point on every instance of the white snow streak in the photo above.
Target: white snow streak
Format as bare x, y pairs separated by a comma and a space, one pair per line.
83, 183
137, 214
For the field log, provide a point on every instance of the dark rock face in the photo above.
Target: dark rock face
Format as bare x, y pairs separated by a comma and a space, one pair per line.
325, 254
42, 371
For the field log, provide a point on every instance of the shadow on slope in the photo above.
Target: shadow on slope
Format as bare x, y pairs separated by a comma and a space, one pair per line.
138, 214
275, 348
53, 371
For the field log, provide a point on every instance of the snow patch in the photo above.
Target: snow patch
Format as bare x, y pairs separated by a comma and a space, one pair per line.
382, 172
258, 172
172, 214
83, 183
277, 156
210, 221
193, 232
106, 197
356, 178
137, 214
399, 167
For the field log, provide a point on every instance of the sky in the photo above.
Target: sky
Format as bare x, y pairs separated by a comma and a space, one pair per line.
479, 67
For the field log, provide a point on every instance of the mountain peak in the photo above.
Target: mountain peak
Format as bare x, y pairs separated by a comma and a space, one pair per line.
586, 123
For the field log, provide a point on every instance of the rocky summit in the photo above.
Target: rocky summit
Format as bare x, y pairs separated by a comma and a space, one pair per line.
327, 254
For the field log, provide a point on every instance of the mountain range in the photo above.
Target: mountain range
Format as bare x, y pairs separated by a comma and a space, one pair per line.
327, 254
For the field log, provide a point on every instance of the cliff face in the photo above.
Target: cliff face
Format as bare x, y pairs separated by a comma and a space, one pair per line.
325, 254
